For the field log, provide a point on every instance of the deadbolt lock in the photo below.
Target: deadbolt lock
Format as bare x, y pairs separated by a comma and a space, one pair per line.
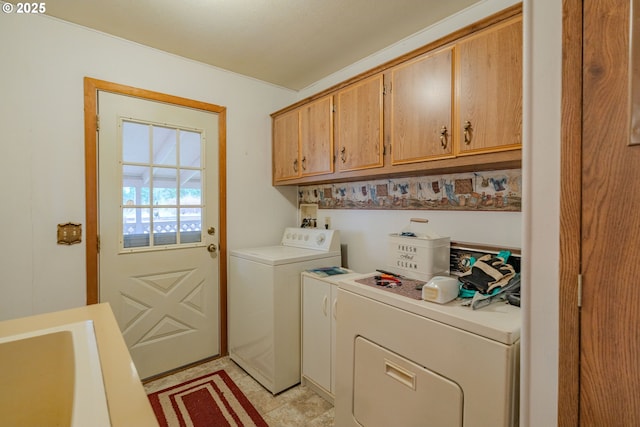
211, 231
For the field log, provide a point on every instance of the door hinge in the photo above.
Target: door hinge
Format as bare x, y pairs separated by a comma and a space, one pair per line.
97, 123
98, 243
579, 290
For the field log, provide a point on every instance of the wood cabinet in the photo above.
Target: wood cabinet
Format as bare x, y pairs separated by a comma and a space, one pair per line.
359, 125
286, 133
316, 137
489, 89
421, 94
303, 141
319, 299
453, 106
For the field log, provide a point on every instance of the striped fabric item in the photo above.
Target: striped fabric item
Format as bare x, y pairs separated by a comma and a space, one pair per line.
486, 274
211, 400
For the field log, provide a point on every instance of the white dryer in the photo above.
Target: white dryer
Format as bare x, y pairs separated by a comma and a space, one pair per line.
264, 303
407, 362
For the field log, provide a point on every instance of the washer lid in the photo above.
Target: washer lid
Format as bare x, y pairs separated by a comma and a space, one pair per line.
280, 254
498, 321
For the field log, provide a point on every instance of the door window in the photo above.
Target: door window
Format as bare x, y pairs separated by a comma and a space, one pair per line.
162, 175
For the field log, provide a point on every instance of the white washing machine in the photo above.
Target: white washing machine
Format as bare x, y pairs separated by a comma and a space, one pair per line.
407, 362
264, 303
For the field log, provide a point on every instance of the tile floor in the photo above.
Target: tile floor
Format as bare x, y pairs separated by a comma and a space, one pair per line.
296, 407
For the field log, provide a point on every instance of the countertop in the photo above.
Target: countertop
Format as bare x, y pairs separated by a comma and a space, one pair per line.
126, 397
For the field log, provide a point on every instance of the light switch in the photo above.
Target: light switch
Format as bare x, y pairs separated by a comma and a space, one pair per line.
69, 233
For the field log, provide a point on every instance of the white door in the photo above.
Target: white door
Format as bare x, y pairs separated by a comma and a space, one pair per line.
158, 222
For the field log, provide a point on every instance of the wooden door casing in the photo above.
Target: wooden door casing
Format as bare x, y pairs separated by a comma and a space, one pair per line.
610, 313
570, 199
91, 88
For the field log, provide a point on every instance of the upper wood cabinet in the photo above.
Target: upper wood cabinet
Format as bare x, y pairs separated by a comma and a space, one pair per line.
421, 94
303, 141
286, 134
452, 106
489, 89
360, 138
316, 137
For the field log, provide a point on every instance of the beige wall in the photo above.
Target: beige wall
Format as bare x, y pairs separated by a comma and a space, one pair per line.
536, 230
43, 62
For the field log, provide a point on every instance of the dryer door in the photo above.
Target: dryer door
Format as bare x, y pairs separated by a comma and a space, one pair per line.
390, 390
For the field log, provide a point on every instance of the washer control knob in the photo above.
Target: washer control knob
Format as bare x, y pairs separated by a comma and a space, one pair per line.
320, 238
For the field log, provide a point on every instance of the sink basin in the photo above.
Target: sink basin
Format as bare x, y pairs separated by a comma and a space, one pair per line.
52, 377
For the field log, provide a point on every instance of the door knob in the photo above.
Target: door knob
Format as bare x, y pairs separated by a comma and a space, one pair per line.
212, 248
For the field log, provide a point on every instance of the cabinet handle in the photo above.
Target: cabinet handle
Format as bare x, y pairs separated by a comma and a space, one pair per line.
443, 137
343, 154
324, 305
467, 132
304, 163
295, 165
335, 307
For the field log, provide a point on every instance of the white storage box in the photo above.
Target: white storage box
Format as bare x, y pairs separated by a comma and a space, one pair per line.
420, 256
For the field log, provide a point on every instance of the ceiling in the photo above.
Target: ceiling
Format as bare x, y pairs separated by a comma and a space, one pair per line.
289, 43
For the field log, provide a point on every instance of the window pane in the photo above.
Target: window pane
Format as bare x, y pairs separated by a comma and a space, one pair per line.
190, 188
164, 226
162, 189
135, 142
189, 148
129, 196
135, 227
164, 146
135, 185
165, 186
190, 225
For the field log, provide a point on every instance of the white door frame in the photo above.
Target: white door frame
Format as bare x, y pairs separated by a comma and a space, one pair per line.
91, 88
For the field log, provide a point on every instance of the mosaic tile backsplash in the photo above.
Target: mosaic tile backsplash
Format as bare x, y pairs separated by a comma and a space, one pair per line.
487, 191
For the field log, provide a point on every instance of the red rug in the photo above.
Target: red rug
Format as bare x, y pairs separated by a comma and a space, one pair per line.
212, 400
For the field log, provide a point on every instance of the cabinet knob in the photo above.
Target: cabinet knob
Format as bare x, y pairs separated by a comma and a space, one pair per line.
443, 137
467, 132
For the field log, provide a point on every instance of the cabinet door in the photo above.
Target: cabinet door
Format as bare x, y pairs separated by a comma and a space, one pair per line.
421, 98
285, 146
489, 95
360, 137
316, 331
316, 137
